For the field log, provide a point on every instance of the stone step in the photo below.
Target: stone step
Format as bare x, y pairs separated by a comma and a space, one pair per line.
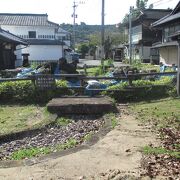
81, 105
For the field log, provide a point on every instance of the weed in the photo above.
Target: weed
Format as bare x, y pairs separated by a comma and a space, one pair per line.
114, 122
63, 121
35, 151
88, 136
113, 119
69, 144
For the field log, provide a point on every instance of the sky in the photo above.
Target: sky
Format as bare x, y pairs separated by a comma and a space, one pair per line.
88, 11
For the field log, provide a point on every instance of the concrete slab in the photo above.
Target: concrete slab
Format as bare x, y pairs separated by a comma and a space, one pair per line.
81, 105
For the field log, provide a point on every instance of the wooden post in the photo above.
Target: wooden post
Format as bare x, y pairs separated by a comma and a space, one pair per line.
85, 69
176, 37
130, 78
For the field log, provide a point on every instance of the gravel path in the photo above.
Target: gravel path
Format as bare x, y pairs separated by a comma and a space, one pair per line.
54, 135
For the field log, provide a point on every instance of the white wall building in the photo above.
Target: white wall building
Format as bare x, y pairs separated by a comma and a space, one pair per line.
46, 39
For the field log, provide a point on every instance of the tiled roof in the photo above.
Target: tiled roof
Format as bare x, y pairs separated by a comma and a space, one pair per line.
25, 19
9, 37
150, 14
174, 15
45, 42
155, 13
167, 19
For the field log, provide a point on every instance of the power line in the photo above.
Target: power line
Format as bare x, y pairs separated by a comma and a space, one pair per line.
160, 2
156, 1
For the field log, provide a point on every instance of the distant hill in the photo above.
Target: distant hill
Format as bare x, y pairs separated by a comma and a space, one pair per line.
83, 31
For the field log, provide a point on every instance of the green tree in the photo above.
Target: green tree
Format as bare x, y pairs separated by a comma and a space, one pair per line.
95, 39
140, 6
107, 47
83, 49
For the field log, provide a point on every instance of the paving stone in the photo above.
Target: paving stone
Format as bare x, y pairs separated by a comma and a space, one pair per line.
81, 105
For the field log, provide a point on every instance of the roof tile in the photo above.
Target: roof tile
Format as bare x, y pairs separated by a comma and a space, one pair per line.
25, 19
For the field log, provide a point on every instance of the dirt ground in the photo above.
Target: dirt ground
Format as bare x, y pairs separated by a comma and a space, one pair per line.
114, 156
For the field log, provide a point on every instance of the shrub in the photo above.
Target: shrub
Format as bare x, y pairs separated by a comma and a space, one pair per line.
25, 91
142, 90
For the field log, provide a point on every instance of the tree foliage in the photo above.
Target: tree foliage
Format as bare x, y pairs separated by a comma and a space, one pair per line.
135, 11
83, 49
141, 4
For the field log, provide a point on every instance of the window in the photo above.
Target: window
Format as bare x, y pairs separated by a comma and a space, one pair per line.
166, 34
177, 27
32, 34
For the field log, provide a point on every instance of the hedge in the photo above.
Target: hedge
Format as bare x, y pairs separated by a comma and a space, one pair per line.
142, 90
25, 91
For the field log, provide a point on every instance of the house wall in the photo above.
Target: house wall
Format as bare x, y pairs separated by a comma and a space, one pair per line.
145, 52
44, 52
37, 52
169, 55
141, 52
22, 31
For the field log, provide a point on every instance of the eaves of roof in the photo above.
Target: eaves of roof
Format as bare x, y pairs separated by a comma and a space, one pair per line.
166, 19
9, 37
166, 44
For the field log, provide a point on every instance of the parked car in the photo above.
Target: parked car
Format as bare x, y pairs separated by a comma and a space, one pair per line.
75, 56
72, 57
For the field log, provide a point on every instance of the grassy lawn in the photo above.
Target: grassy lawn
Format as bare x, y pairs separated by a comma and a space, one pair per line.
162, 113
164, 116
14, 118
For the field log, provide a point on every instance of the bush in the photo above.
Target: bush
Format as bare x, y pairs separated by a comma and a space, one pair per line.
25, 91
142, 90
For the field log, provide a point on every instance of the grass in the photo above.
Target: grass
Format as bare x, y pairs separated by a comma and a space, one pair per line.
35, 151
95, 71
15, 118
160, 150
29, 153
162, 113
145, 66
69, 144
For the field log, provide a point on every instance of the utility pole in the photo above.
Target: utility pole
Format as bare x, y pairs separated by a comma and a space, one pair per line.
74, 16
102, 31
130, 35
178, 71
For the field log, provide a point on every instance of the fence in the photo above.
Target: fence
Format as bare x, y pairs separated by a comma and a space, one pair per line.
83, 78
